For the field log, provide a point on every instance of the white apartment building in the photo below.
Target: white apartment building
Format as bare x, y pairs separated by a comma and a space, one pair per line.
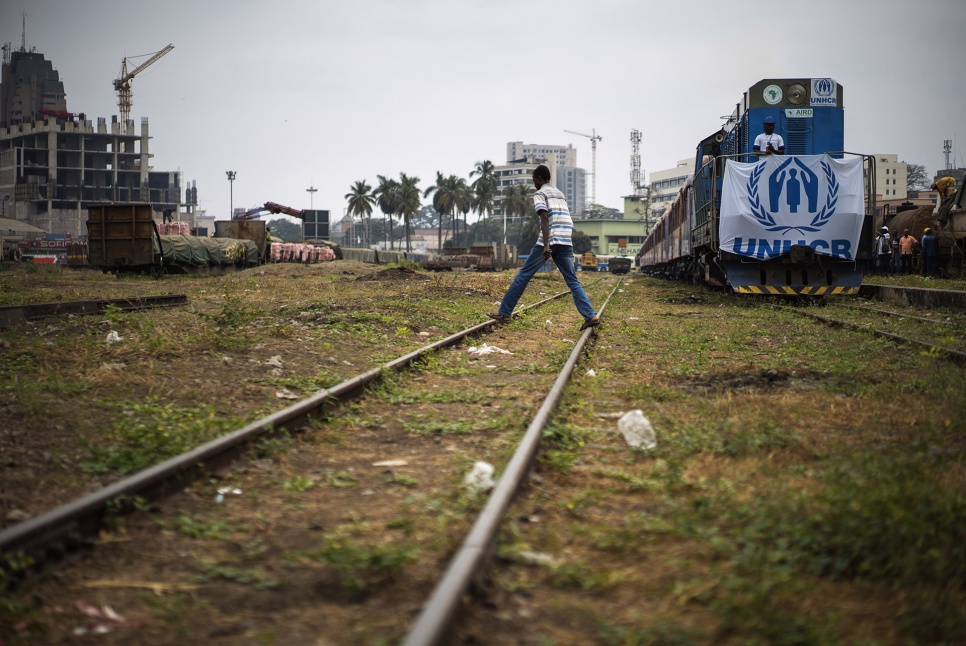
562, 160
518, 152
890, 177
665, 185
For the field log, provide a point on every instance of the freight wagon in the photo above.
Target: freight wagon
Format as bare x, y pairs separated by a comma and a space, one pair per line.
125, 238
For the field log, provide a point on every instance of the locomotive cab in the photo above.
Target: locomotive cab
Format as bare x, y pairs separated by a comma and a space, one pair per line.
792, 259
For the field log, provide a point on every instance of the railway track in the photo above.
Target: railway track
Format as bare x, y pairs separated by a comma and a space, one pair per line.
342, 531
11, 315
943, 334
74, 526
74, 523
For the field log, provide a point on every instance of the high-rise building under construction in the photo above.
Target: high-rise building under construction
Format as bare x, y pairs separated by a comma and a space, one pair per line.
55, 163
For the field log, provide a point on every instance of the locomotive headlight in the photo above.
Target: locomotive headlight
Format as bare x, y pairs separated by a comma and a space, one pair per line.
796, 94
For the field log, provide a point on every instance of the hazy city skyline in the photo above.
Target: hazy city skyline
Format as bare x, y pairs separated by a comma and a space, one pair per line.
292, 95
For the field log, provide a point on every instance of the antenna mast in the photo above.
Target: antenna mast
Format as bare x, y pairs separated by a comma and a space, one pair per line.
636, 173
947, 149
23, 34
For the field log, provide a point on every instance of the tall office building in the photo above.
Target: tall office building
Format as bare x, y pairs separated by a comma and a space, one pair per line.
562, 160
29, 83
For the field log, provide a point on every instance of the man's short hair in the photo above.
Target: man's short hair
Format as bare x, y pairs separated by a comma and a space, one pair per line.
542, 172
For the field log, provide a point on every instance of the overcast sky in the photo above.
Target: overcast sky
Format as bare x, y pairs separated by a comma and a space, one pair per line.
292, 94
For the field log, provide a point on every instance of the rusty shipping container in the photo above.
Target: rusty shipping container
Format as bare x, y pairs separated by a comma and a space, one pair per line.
122, 236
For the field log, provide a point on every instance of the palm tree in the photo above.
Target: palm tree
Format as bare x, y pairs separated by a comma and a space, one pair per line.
516, 201
484, 190
463, 202
387, 196
442, 202
361, 201
408, 203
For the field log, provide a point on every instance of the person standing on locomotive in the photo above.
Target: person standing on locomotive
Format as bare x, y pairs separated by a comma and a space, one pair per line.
768, 143
556, 228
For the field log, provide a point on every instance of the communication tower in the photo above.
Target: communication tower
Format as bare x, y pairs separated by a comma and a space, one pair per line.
637, 175
947, 149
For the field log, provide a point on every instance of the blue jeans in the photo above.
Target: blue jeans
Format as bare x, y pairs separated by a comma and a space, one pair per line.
563, 257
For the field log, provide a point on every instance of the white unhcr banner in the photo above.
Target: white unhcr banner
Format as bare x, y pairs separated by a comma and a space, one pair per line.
781, 201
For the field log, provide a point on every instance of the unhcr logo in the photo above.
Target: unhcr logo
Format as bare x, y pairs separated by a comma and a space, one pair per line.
823, 92
793, 192
797, 186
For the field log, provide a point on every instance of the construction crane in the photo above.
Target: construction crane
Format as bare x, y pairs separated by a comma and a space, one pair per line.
271, 207
594, 138
122, 84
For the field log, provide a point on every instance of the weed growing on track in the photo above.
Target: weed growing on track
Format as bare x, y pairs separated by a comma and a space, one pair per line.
247, 576
358, 565
150, 432
195, 528
307, 385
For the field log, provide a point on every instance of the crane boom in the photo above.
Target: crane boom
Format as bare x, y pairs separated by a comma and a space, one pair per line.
122, 84
271, 207
594, 138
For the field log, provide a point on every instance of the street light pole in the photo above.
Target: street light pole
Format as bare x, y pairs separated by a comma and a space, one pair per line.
2, 252
231, 194
311, 190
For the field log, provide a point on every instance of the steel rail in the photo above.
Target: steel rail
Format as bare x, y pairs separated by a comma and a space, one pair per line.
953, 355
437, 615
11, 315
899, 314
72, 522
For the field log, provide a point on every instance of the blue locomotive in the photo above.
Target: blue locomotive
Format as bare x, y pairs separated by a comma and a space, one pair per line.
793, 223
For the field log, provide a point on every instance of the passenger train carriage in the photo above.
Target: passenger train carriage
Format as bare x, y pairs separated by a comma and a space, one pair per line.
798, 223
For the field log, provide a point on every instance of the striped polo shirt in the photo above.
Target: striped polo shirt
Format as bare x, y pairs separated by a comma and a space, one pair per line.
550, 199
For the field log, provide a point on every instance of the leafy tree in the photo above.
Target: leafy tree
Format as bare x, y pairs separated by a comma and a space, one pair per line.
598, 212
917, 179
285, 229
581, 242
529, 232
387, 197
361, 201
426, 217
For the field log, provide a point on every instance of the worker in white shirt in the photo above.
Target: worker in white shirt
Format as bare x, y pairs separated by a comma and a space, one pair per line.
768, 143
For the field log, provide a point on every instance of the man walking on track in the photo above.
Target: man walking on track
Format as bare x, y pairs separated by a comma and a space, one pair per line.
556, 228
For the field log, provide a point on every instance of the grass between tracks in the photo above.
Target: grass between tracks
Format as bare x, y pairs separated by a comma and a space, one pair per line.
807, 486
